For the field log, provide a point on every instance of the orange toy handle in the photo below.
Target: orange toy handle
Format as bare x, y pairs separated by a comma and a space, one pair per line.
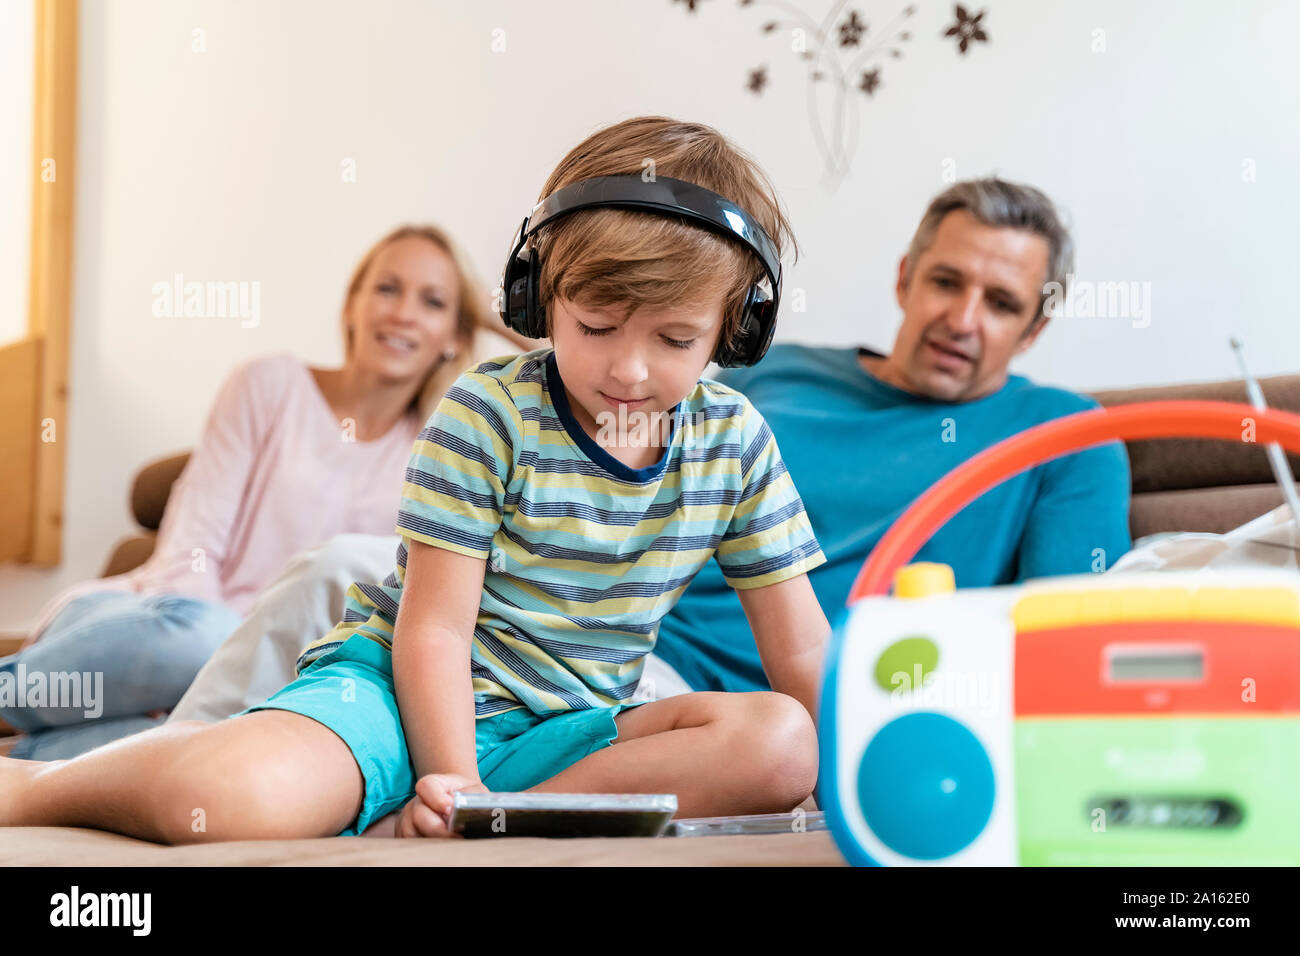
1011, 456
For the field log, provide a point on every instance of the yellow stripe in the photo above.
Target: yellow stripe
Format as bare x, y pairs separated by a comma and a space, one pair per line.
1045, 610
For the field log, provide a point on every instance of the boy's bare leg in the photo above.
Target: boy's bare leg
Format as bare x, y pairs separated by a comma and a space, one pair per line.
266, 775
721, 753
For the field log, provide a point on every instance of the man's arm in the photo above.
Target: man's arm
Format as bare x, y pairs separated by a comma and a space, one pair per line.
1079, 519
791, 632
431, 658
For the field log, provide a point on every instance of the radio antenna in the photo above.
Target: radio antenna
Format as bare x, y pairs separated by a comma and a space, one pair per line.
1276, 456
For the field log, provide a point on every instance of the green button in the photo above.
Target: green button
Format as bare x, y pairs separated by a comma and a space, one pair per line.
904, 664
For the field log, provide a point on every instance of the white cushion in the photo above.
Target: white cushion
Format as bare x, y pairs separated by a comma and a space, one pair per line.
305, 603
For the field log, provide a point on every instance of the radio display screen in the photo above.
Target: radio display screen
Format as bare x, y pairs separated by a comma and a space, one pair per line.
1181, 664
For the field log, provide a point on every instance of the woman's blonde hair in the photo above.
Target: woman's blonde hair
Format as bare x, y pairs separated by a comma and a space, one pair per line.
626, 258
471, 314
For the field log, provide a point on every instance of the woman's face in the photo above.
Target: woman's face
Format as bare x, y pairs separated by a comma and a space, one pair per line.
403, 317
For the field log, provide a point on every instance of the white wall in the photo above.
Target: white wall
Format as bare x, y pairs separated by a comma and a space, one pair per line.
226, 165
16, 32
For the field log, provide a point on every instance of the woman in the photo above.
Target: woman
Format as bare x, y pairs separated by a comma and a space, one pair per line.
413, 319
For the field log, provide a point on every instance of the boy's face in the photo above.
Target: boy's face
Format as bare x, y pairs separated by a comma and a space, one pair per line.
645, 362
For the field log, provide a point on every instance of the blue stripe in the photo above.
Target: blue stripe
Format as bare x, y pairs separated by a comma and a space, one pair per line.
623, 589
493, 705
444, 487
522, 668
483, 409
770, 520
755, 448
435, 529
723, 497
589, 652
379, 598
457, 445
769, 476
558, 553
768, 565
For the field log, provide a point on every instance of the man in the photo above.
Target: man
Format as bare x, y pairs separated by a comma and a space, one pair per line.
863, 434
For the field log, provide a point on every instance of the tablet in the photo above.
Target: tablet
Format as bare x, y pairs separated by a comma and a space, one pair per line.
475, 815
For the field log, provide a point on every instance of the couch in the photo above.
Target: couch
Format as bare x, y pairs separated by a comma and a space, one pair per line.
1177, 485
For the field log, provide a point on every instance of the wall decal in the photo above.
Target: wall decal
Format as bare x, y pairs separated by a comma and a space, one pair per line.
844, 57
967, 28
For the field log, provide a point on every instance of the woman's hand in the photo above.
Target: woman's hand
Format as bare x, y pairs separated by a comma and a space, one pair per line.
429, 811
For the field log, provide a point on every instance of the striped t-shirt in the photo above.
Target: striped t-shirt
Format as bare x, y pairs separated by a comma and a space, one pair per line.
584, 554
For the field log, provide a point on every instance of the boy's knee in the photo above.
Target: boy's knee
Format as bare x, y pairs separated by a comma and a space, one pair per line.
787, 742
226, 796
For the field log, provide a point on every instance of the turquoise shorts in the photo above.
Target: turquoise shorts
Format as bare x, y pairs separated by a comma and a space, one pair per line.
350, 691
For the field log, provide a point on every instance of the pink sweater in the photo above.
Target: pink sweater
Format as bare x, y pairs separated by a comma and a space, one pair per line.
271, 476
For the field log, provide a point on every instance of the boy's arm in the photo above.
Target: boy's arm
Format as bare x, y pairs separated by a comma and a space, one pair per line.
431, 658
452, 505
791, 632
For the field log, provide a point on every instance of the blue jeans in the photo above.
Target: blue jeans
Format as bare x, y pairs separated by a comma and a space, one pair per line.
104, 662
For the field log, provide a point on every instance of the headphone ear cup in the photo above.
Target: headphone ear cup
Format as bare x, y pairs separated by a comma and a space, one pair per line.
764, 328
754, 333
536, 314
515, 294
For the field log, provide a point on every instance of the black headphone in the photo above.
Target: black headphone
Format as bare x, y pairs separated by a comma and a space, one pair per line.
666, 197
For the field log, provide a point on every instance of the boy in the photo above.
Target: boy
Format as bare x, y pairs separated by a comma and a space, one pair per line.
545, 533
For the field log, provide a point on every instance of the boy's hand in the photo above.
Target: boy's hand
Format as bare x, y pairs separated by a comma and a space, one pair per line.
428, 812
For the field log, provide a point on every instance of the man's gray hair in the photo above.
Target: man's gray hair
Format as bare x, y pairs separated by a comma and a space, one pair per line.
996, 202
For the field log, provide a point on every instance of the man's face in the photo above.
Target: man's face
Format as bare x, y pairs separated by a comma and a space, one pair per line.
968, 309
646, 362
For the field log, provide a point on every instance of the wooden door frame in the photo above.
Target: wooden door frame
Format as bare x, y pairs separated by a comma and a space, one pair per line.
54, 144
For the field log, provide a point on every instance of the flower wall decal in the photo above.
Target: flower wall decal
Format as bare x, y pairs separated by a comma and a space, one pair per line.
851, 30
842, 55
967, 29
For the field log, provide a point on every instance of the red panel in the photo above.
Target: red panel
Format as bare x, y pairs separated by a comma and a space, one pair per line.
1066, 671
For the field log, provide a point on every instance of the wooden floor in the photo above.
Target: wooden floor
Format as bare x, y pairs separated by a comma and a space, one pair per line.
60, 846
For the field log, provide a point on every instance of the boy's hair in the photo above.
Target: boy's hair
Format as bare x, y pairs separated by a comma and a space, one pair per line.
628, 258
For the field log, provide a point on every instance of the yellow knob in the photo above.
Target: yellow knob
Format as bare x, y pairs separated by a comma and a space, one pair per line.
923, 579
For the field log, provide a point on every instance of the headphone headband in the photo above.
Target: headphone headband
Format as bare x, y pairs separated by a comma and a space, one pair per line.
669, 197
662, 196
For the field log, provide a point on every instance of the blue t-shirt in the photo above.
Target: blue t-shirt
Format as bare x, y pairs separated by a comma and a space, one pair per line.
860, 452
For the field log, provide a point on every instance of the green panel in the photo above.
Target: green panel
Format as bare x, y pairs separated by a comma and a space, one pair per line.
914, 657
1066, 766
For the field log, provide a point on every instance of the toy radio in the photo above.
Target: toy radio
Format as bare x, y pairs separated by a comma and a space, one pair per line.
1130, 719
